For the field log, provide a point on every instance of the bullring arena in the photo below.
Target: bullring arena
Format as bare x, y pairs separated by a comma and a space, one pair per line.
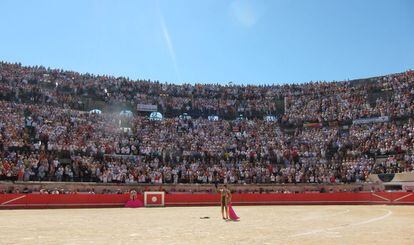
92, 176
182, 225
171, 122
194, 218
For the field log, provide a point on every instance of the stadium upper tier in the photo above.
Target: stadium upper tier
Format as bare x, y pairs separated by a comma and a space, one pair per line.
322, 132
291, 104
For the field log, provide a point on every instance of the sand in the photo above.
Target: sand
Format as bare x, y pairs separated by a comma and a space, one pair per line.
182, 225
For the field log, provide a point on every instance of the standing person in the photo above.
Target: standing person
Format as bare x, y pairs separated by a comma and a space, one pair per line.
133, 195
224, 197
223, 202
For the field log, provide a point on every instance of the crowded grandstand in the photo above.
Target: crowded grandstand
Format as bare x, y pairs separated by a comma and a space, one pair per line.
58, 125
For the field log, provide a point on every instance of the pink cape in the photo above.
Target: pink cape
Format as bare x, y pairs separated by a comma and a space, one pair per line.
232, 214
134, 204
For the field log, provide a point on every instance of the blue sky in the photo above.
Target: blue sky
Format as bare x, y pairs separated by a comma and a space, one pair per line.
214, 41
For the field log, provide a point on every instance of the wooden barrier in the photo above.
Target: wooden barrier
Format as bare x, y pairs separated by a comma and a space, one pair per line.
9, 201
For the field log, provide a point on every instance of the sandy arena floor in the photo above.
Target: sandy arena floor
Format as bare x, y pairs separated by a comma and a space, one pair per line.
258, 225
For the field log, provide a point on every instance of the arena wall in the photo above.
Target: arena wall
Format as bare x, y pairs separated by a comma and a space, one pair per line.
12, 201
35, 186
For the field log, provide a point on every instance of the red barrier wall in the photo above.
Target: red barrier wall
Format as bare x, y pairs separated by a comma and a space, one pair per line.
62, 201
8, 201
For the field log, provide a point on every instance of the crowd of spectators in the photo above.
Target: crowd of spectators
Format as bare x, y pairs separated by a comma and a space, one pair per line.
47, 135
390, 96
294, 104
